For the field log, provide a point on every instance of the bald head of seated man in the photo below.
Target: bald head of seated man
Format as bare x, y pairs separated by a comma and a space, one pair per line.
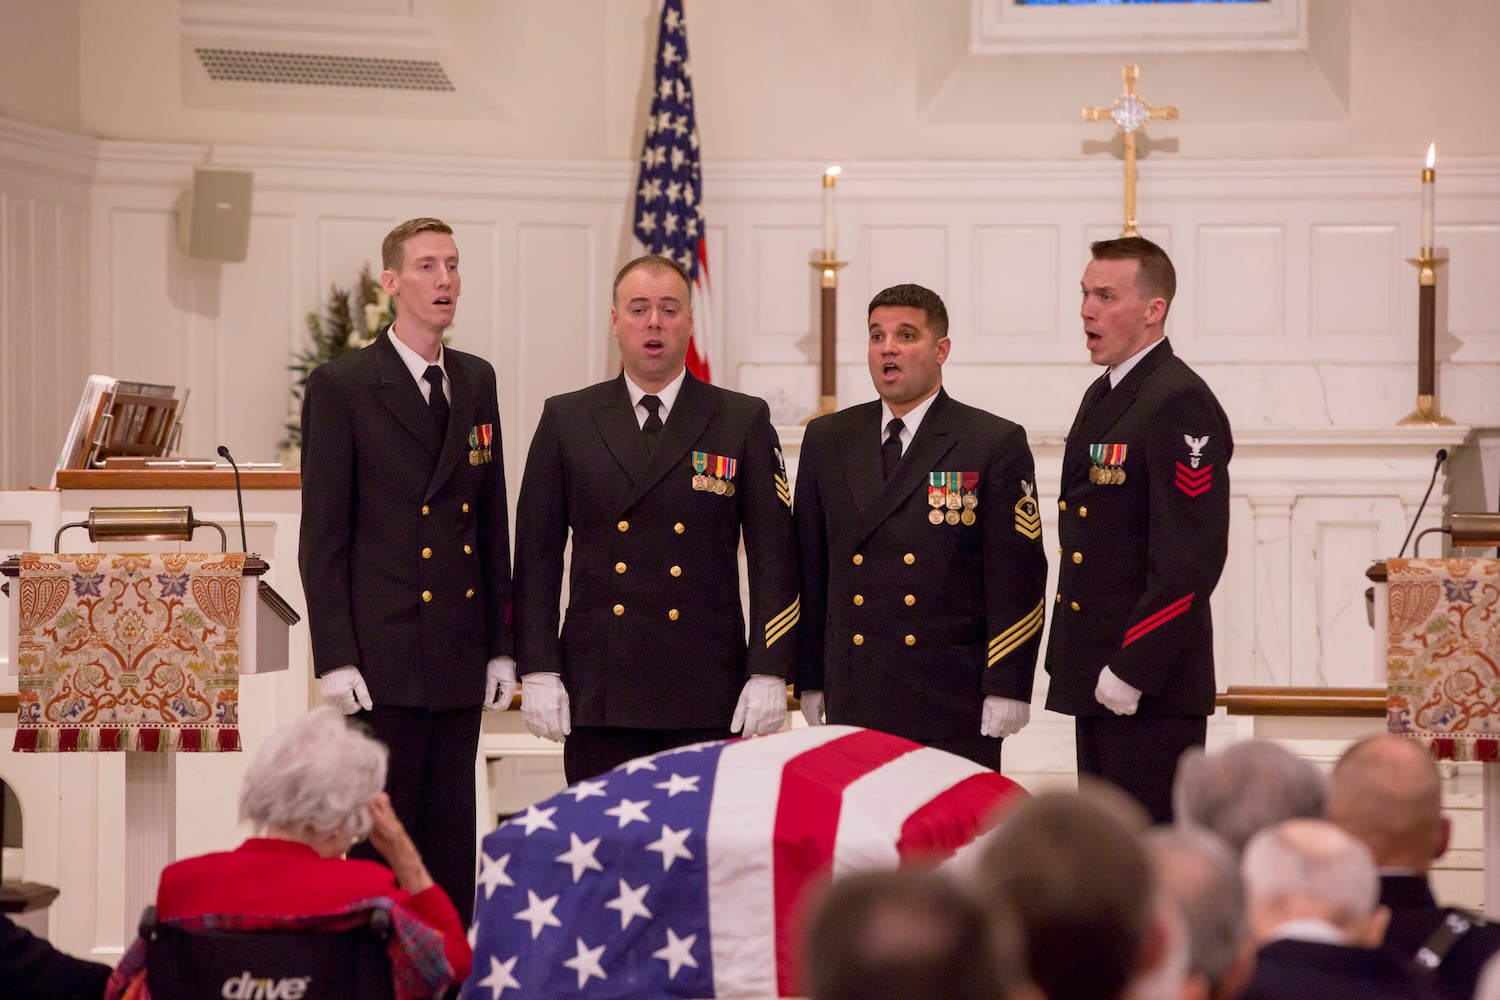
1386, 791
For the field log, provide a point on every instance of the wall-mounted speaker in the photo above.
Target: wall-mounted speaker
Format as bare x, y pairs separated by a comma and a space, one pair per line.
213, 218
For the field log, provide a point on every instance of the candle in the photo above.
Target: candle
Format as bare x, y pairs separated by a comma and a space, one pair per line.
1429, 192
830, 230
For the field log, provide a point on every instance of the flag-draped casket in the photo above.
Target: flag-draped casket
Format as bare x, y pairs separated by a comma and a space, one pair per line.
682, 874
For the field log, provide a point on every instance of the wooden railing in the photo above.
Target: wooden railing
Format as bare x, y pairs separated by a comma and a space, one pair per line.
1327, 702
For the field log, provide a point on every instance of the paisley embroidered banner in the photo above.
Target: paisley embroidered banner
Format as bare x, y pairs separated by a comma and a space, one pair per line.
1443, 655
129, 652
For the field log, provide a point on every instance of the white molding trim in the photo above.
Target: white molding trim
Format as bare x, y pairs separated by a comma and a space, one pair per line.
1005, 27
47, 149
415, 27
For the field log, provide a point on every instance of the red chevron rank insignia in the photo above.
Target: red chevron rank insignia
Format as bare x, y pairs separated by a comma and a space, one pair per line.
1194, 482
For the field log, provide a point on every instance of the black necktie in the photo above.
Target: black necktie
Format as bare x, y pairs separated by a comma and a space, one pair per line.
1096, 392
651, 429
890, 452
436, 401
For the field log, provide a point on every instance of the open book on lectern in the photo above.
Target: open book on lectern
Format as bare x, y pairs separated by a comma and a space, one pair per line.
116, 418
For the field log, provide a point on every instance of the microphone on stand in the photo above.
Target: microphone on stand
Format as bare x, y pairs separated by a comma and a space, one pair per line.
1442, 456
240, 496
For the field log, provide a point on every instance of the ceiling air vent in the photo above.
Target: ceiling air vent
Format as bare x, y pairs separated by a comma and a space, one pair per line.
322, 70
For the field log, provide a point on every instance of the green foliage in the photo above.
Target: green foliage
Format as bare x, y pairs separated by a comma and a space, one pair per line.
352, 318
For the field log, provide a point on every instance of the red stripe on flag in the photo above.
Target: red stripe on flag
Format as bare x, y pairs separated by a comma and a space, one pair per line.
931, 835
1148, 625
807, 822
697, 362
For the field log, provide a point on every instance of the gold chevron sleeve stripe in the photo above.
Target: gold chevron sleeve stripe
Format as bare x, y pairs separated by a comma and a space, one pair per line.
782, 623
784, 490
1031, 527
1013, 638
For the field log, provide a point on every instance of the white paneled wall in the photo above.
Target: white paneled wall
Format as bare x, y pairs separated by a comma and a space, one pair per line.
44, 294
1294, 299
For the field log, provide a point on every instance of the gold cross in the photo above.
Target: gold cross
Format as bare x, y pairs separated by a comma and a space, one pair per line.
1130, 115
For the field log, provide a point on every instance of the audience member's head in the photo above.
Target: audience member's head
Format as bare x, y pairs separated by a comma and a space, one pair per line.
1074, 874
1386, 791
313, 781
1310, 870
1196, 870
1168, 979
901, 935
1244, 788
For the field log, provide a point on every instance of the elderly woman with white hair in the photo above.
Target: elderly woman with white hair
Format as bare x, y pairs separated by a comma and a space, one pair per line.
311, 792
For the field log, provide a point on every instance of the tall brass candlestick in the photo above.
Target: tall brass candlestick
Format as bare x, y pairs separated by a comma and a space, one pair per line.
1426, 413
828, 282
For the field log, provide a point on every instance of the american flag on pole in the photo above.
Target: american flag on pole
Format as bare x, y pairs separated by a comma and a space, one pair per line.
668, 205
681, 874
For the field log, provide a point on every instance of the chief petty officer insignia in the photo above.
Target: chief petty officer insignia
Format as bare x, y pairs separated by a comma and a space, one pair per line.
480, 436
953, 497
1108, 467
1193, 477
1028, 518
714, 473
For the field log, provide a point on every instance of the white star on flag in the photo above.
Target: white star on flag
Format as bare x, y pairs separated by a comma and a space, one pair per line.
640, 764
539, 913
492, 873
629, 812
677, 783
677, 953
500, 978
671, 846
630, 903
536, 819
586, 789
581, 856
586, 963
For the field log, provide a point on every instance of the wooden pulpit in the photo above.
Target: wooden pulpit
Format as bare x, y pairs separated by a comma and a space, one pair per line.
139, 653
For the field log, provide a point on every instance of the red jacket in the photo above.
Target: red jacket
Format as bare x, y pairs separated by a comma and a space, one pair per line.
282, 878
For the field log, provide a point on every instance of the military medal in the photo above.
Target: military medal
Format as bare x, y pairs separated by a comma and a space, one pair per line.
723, 472
951, 516
700, 463
954, 500
937, 496
1109, 464
968, 516
971, 492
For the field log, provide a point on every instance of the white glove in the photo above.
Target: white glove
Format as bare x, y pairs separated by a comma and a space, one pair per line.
812, 708
544, 706
1003, 717
1115, 695
499, 683
344, 688
762, 707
